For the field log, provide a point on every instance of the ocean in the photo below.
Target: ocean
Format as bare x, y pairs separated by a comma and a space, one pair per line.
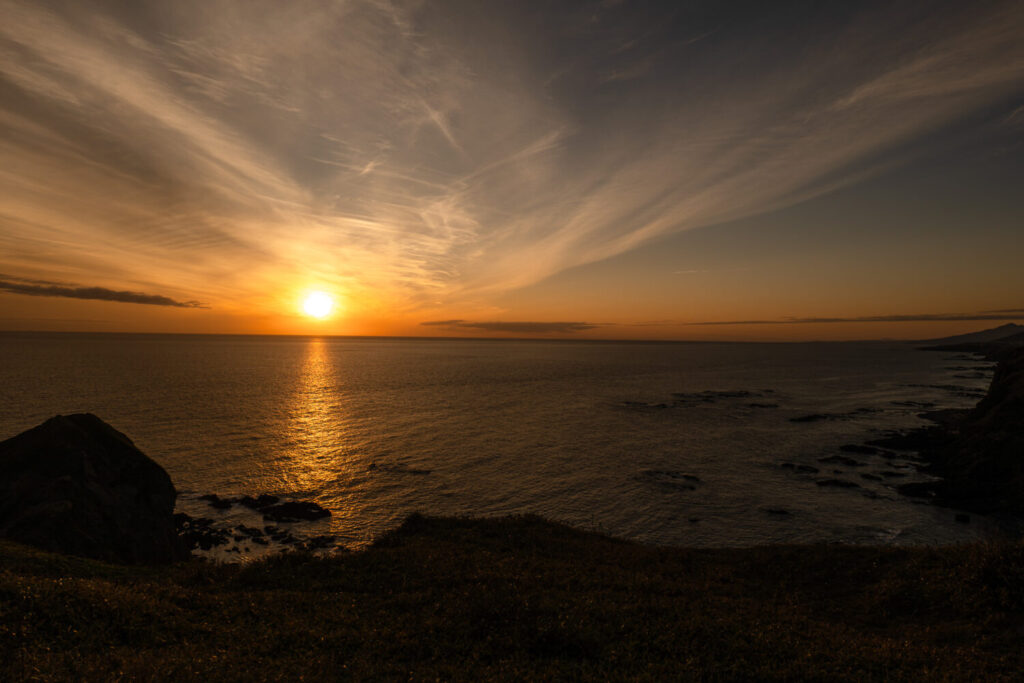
680, 444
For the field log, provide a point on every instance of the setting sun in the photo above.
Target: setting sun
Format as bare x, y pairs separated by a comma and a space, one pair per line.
318, 305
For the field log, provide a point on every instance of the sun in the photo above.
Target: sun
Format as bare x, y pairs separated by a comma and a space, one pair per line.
318, 305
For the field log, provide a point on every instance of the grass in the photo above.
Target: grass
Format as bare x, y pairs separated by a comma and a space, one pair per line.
521, 598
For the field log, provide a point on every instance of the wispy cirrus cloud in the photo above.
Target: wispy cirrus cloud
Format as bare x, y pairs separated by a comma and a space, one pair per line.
55, 289
447, 151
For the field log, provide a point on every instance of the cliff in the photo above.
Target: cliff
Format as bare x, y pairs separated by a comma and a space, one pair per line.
981, 460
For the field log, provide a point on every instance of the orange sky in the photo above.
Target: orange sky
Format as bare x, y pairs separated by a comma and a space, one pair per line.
579, 169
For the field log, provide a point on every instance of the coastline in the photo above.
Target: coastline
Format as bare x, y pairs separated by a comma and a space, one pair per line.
523, 597
976, 453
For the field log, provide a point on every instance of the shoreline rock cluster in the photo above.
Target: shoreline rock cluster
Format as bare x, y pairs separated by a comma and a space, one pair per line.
204, 533
272, 507
75, 485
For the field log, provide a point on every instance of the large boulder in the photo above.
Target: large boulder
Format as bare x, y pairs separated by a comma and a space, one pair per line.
76, 485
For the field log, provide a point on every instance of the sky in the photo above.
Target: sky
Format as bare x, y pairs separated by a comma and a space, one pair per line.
600, 169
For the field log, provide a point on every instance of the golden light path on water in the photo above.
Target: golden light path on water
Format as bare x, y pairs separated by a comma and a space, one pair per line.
319, 456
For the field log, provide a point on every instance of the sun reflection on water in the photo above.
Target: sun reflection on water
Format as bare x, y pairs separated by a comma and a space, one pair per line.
317, 430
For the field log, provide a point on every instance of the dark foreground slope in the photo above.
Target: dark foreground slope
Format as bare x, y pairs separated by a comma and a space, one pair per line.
520, 598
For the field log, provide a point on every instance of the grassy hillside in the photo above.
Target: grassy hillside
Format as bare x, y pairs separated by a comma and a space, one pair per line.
521, 597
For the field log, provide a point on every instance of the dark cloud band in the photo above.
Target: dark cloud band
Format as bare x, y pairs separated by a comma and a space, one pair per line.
40, 288
519, 327
1011, 314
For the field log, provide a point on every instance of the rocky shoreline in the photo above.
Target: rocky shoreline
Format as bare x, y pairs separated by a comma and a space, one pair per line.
223, 538
76, 485
978, 454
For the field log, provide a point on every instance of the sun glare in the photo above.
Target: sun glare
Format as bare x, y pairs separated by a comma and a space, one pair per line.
318, 305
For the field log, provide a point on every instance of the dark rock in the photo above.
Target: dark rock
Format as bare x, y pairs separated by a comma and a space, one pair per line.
712, 396
817, 417
317, 542
955, 389
893, 475
913, 440
294, 511
199, 532
841, 460
962, 518
870, 477
947, 417
837, 483
260, 502
670, 479
776, 511
855, 448
762, 405
216, 501
806, 469
76, 485
918, 489
261, 541
640, 405
284, 537
914, 404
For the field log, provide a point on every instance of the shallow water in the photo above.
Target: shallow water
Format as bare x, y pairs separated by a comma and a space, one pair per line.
589, 433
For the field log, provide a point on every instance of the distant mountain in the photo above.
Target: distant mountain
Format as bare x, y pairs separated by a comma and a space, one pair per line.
984, 336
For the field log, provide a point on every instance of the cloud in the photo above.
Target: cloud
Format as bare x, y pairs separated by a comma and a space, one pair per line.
53, 289
517, 327
1011, 314
449, 150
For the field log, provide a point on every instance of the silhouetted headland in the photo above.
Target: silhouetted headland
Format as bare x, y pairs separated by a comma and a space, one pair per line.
978, 453
994, 344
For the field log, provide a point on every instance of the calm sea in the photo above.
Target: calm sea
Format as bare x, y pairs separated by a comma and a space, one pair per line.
666, 443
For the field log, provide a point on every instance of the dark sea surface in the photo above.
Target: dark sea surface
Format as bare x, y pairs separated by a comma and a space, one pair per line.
665, 443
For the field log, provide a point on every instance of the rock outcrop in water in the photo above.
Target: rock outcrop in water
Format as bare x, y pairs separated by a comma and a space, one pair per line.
76, 485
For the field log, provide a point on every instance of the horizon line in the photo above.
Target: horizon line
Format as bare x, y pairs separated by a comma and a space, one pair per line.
492, 339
